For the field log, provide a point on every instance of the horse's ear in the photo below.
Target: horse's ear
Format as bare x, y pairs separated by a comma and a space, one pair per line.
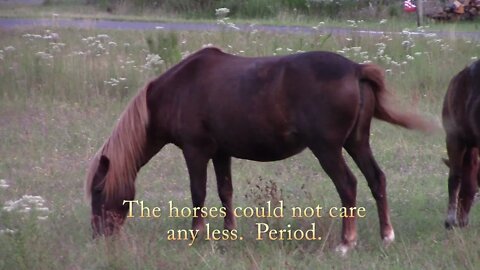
102, 170
446, 161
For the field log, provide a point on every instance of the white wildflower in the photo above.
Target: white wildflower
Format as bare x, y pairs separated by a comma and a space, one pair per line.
9, 49
26, 204
222, 12
233, 26
152, 61
395, 63
44, 55
3, 183
406, 43
319, 25
357, 49
7, 231
103, 36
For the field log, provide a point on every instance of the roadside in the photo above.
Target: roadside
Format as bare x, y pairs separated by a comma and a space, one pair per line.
22, 2
34, 9
11, 23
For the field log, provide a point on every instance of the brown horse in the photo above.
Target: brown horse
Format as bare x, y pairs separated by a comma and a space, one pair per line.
217, 106
461, 121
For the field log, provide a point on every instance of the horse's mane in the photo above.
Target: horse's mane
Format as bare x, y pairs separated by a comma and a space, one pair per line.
124, 149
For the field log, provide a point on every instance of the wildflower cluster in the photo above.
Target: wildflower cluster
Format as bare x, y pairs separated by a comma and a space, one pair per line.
98, 45
153, 61
27, 204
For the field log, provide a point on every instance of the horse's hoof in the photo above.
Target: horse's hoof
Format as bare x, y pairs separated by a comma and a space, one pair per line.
462, 222
343, 249
230, 225
388, 239
449, 224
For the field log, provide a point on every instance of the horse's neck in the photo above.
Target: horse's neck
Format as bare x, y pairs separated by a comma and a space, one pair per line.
150, 150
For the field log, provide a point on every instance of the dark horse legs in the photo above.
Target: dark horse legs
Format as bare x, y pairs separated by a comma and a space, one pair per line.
362, 155
456, 151
197, 162
468, 186
222, 166
462, 181
332, 161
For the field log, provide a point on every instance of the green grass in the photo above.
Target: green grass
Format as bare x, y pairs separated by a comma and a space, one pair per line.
62, 91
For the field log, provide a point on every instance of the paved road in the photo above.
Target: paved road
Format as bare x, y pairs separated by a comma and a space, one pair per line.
22, 2
9, 23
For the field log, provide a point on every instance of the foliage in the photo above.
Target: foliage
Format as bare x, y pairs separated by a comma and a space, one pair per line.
259, 8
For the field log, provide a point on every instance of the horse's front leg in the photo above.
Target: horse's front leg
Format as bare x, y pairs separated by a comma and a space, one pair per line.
222, 165
197, 161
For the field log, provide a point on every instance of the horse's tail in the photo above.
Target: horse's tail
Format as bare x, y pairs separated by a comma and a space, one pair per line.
384, 105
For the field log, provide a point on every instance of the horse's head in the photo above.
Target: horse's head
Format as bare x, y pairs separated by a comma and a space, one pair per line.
108, 214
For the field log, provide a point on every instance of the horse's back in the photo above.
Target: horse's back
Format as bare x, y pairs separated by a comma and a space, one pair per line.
262, 108
461, 106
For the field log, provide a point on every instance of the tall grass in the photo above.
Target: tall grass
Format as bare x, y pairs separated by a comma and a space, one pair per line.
62, 91
261, 8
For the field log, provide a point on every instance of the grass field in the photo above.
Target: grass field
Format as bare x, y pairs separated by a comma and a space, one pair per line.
61, 92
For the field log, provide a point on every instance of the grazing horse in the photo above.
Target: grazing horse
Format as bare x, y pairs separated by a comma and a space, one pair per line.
214, 105
461, 121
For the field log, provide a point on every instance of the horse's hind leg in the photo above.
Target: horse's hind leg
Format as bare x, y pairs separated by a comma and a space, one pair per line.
222, 166
358, 146
469, 185
456, 151
359, 149
197, 162
332, 161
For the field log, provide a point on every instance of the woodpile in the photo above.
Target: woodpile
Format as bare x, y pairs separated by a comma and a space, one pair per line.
456, 11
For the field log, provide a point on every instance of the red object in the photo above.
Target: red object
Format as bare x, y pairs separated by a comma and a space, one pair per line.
408, 6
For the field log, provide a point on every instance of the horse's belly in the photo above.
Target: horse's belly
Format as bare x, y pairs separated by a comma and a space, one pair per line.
259, 151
